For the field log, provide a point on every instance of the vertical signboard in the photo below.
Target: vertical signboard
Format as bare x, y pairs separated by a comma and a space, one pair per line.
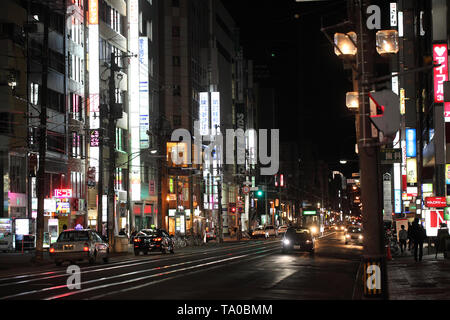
134, 101
204, 113
411, 143
447, 174
440, 57
144, 88
94, 85
387, 196
411, 165
215, 113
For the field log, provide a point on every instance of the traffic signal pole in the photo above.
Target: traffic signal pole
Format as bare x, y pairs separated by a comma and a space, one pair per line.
374, 258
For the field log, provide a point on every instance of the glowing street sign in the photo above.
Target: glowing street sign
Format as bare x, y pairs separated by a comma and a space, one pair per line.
63, 193
440, 57
204, 113
144, 90
93, 11
411, 143
215, 112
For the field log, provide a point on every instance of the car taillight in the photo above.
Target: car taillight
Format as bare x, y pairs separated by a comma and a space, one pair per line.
157, 239
52, 250
137, 240
86, 247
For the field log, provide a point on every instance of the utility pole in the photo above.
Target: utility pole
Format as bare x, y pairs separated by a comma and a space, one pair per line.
191, 202
219, 216
39, 255
103, 111
112, 149
373, 254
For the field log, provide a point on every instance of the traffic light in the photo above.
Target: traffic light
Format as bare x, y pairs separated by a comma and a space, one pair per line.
389, 103
233, 209
260, 193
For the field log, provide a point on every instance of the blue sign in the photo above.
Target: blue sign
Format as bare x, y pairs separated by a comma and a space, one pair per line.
398, 201
411, 143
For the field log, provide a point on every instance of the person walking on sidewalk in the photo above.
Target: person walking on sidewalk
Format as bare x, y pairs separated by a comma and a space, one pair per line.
441, 236
403, 237
410, 241
418, 235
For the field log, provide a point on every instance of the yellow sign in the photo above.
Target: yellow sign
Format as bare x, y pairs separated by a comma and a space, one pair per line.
411, 170
93, 11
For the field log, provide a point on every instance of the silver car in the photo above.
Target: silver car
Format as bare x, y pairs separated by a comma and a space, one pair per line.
79, 245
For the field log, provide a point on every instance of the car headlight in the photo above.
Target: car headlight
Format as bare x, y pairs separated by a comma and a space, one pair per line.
347, 236
308, 241
286, 242
361, 237
313, 229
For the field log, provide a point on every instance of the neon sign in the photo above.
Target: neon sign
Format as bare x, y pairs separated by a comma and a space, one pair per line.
63, 193
440, 57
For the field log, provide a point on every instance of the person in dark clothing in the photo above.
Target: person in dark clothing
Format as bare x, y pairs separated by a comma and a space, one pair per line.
410, 241
418, 235
441, 236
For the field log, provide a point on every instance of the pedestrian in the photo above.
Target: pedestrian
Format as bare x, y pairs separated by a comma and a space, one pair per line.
410, 242
441, 236
418, 235
403, 237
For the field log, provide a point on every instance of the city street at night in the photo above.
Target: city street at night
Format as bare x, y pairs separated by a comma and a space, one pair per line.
224, 158
250, 270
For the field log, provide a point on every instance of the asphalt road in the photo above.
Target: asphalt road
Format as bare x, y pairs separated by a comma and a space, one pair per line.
255, 270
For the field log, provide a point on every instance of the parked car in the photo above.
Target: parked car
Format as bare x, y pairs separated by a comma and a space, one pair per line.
79, 245
258, 232
210, 235
149, 240
270, 231
300, 239
282, 230
354, 235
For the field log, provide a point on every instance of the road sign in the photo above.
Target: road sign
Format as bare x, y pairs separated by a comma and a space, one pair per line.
391, 156
246, 189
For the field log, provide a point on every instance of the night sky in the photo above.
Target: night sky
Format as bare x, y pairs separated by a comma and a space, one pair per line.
309, 78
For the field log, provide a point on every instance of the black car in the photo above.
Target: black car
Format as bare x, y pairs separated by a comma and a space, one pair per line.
153, 240
298, 239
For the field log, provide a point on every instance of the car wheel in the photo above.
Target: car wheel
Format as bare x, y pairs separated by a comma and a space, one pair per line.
93, 259
171, 250
283, 250
106, 258
136, 253
311, 252
163, 251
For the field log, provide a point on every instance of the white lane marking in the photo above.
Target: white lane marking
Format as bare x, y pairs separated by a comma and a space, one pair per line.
117, 276
151, 276
327, 235
173, 277
130, 261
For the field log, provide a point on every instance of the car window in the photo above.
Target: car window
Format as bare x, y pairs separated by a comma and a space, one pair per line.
148, 233
165, 234
96, 237
73, 236
269, 228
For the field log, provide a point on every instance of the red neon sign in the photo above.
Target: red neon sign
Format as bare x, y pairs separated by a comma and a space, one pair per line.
436, 202
63, 193
440, 57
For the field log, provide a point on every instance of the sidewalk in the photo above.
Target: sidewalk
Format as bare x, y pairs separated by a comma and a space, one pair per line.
426, 280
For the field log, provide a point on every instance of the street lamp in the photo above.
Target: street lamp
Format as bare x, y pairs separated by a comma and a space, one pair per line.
345, 44
352, 100
387, 42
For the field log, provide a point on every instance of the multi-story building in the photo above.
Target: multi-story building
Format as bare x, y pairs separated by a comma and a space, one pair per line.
13, 112
183, 57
